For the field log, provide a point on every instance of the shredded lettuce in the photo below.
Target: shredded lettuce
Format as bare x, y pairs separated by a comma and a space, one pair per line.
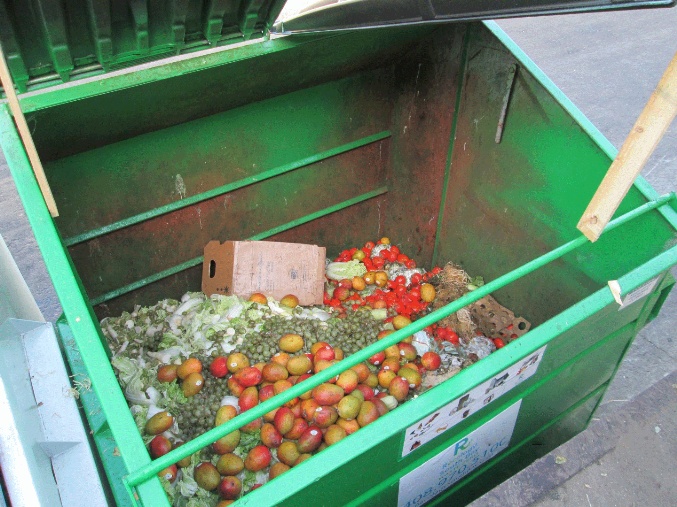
342, 270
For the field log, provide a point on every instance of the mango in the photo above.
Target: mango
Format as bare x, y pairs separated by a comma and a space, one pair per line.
368, 414
348, 381
167, 372
399, 388
298, 365
291, 343
325, 416
328, 394
277, 469
234, 386
310, 440
288, 453
362, 371
159, 423
272, 372
350, 426
349, 407
302, 458
283, 420
281, 358
207, 476
159, 446
380, 406
190, 365
249, 376
334, 433
412, 376
227, 443
300, 425
253, 426
248, 399
270, 436
258, 458
230, 464
230, 488
224, 414
192, 384
236, 362
385, 377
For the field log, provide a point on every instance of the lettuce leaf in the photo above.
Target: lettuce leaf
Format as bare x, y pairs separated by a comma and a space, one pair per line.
341, 270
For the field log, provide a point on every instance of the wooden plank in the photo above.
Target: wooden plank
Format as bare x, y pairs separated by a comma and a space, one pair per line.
648, 130
25, 133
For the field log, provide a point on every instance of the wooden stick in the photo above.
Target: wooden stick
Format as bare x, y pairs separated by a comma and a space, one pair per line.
26, 137
649, 128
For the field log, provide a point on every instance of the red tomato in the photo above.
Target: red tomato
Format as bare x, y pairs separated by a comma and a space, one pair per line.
411, 264
391, 256
395, 250
378, 262
369, 244
415, 293
437, 270
402, 259
326, 299
416, 279
406, 298
400, 290
400, 280
499, 343
452, 337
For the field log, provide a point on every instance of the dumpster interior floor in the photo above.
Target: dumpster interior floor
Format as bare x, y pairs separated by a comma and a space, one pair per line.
608, 64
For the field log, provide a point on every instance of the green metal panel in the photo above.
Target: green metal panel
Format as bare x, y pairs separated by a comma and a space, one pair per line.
387, 132
52, 41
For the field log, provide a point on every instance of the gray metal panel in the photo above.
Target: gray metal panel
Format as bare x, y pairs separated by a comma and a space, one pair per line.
44, 451
330, 15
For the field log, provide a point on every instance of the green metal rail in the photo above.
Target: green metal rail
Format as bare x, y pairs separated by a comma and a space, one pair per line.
149, 471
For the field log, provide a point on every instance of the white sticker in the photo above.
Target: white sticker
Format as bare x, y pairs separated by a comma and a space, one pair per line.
453, 413
459, 459
639, 293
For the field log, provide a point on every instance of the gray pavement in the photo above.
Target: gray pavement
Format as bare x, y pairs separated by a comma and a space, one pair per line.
608, 64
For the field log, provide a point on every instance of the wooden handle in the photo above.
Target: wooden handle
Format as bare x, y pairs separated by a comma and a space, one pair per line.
25, 134
649, 128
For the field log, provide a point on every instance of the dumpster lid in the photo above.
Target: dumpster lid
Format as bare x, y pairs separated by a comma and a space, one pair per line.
48, 42
331, 15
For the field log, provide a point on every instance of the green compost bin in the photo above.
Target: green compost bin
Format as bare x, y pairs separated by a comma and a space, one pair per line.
332, 138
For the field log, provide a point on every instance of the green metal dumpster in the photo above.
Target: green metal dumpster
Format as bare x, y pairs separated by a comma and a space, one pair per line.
443, 135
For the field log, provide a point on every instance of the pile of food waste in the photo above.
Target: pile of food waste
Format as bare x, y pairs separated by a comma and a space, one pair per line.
189, 365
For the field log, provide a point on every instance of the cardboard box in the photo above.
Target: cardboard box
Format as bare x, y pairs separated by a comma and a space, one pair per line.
274, 269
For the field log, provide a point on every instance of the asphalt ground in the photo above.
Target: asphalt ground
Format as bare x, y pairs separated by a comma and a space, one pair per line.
607, 64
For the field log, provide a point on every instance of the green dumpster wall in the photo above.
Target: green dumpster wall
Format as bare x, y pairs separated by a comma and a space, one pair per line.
335, 140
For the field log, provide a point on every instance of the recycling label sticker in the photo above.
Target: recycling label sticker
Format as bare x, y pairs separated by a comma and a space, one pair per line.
459, 459
480, 396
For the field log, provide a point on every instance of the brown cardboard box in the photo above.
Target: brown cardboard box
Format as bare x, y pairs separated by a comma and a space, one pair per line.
274, 269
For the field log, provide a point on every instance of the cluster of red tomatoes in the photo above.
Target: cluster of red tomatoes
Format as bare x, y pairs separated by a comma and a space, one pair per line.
403, 298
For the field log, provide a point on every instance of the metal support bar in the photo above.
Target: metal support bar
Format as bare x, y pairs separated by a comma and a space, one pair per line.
230, 187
